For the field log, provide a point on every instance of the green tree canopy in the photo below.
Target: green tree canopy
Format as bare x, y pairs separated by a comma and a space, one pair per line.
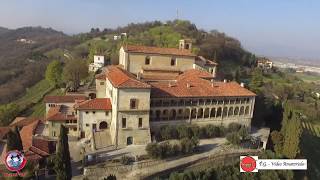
7, 113
74, 71
54, 73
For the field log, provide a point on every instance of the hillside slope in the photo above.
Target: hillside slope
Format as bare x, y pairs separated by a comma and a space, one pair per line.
22, 62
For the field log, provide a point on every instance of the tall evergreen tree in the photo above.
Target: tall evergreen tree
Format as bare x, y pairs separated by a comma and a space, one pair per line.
291, 131
62, 161
14, 140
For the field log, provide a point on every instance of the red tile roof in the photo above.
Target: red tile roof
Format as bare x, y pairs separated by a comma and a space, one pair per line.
23, 121
158, 50
123, 79
55, 114
64, 99
158, 77
27, 133
202, 60
46, 145
32, 156
161, 69
101, 76
194, 73
193, 84
95, 104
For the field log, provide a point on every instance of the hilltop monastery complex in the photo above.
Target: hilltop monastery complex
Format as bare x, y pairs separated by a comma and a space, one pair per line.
149, 88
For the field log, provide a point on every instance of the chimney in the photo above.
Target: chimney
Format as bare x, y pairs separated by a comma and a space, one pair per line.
170, 84
188, 85
212, 85
225, 81
242, 84
138, 76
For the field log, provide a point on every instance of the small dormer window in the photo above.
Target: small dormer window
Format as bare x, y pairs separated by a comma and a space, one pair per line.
173, 61
147, 60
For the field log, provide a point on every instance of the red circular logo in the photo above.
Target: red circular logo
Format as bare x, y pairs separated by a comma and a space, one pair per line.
248, 164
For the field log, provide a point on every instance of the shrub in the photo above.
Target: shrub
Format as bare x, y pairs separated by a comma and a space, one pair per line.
165, 132
203, 132
195, 131
165, 149
168, 132
243, 133
211, 131
188, 145
234, 127
125, 160
233, 138
153, 150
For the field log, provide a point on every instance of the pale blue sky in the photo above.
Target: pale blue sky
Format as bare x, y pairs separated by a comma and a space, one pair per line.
273, 27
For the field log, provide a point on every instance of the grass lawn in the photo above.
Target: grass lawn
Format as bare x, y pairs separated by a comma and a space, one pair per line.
31, 103
39, 109
308, 78
312, 128
34, 94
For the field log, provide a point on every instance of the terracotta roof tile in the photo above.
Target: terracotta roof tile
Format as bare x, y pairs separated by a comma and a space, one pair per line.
44, 145
64, 99
195, 83
101, 76
27, 133
202, 60
122, 79
158, 77
23, 121
194, 73
98, 104
55, 114
32, 156
158, 50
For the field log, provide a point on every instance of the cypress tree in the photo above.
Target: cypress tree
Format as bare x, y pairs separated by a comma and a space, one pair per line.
14, 141
62, 162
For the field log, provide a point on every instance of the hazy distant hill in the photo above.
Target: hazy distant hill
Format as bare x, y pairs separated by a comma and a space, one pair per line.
3, 30
22, 59
22, 62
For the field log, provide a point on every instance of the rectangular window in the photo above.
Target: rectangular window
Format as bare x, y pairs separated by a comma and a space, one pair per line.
140, 123
87, 125
93, 112
87, 112
101, 83
124, 123
53, 133
133, 103
147, 60
173, 61
107, 113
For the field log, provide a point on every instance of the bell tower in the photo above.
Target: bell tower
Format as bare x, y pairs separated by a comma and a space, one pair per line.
185, 44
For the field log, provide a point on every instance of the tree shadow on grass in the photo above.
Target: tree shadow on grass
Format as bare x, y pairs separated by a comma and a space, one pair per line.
310, 149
